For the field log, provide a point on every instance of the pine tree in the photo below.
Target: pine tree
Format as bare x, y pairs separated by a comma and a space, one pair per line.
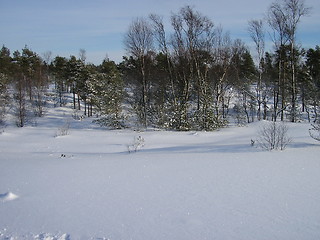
106, 94
59, 70
5, 73
313, 86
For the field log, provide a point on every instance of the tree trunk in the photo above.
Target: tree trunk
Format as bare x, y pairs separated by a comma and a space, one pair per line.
293, 75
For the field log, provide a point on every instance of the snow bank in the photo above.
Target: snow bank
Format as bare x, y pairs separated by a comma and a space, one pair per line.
9, 196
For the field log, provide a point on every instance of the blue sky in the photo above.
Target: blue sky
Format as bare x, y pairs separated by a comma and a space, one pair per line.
98, 26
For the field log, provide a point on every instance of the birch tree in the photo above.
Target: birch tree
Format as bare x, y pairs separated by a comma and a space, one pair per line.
139, 42
258, 36
294, 10
284, 17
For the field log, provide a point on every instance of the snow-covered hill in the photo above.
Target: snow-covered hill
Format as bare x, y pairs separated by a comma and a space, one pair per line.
178, 185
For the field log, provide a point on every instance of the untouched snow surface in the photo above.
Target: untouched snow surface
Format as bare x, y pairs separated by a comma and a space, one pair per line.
179, 185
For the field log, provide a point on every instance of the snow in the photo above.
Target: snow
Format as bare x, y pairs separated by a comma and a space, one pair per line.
9, 196
178, 185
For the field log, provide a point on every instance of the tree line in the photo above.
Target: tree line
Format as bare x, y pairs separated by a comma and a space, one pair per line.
194, 77
25, 78
188, 78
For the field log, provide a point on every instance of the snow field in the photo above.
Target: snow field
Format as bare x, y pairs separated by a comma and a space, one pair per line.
180, 185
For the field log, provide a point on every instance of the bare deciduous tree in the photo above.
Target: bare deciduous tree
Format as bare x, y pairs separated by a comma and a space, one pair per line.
160, 36
274, 136
276, 20
47, 57
257, 34
82, 55
315, 131
139, 42
284, 17
294, 10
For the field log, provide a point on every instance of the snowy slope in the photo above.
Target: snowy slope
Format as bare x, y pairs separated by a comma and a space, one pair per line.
179, 185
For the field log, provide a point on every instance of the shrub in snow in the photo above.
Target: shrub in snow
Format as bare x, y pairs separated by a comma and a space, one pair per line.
240, 115
20, 110
138, 143
113, 121
77, 116
63, 130
207, 121
315, 131
273, 136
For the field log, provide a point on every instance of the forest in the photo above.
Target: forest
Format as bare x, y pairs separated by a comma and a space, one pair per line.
193, 77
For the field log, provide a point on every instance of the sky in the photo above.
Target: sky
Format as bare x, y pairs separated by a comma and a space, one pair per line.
63, 27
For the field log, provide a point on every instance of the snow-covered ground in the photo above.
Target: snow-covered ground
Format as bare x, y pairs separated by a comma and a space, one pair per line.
179, 185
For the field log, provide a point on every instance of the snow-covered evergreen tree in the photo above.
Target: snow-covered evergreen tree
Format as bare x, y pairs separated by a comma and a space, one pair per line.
106, 94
